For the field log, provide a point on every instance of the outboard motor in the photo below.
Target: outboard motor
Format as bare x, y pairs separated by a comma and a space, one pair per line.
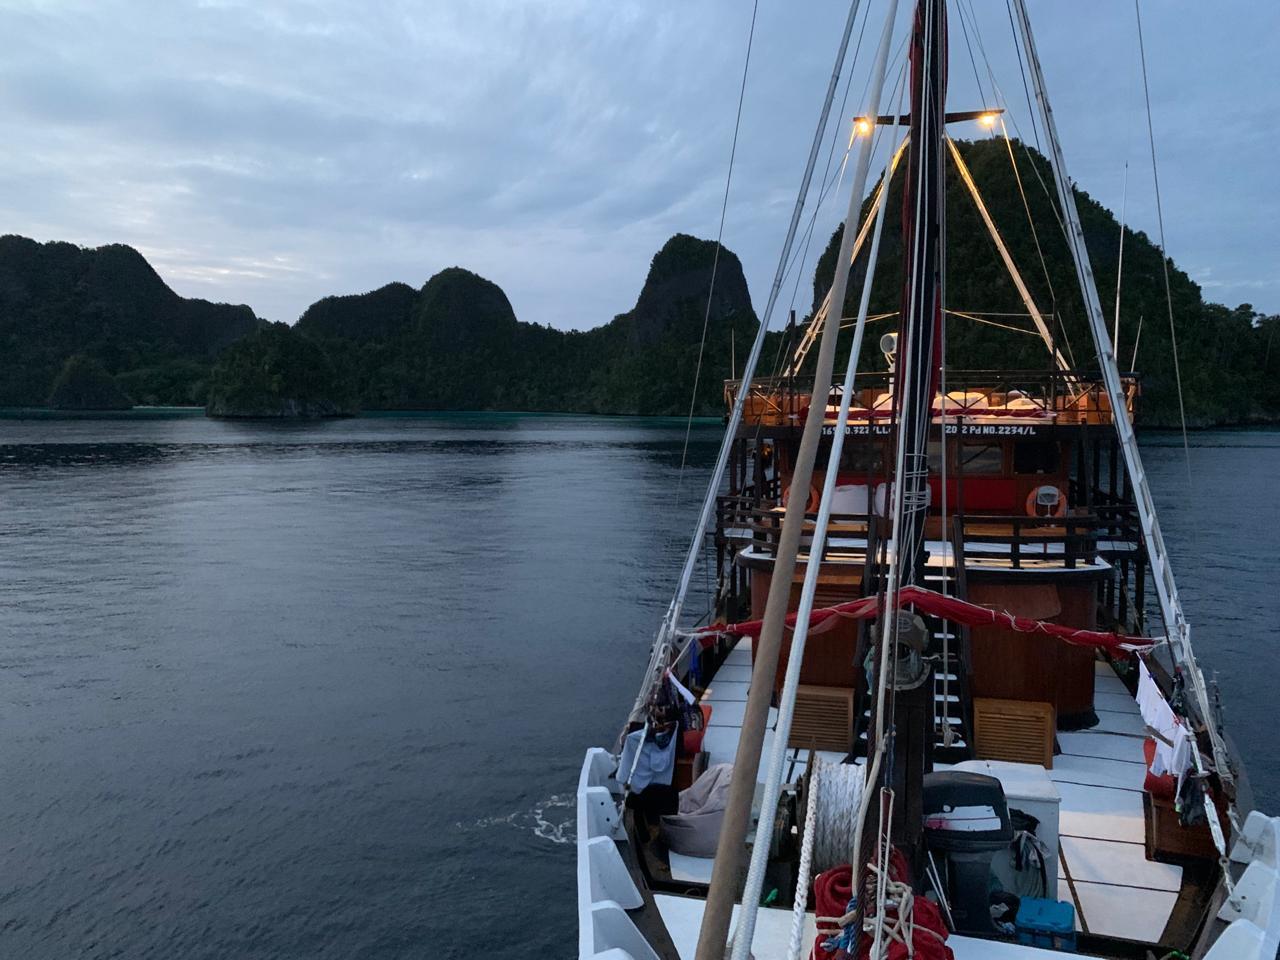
967, 820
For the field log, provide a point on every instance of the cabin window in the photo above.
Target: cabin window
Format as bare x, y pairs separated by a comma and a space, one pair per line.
1036, 456
935, 457
862, 458
982, 458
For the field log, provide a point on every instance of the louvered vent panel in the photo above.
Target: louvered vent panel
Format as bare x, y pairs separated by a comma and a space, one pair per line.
830, 596
823, 718
1020, 731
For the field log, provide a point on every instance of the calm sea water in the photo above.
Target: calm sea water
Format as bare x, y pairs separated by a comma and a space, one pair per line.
322, 690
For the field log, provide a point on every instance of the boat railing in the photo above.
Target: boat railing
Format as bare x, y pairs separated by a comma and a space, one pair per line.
1015, 542
1021, 542
1065, 396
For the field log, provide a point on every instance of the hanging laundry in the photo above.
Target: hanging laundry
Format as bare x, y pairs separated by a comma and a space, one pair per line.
648, 757
680, 688
1173, 740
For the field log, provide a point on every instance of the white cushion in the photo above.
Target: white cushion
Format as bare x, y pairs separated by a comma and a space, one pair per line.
850, 498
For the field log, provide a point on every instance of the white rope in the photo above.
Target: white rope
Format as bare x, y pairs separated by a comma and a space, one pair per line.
786, 705
1026, 207
840, 794
836, 794
671, 620
900, 898
881, 868
806, 859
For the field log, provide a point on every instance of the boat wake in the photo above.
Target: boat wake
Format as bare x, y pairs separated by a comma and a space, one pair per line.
551, 819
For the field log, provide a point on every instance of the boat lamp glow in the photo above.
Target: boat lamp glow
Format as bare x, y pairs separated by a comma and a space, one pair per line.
987, 120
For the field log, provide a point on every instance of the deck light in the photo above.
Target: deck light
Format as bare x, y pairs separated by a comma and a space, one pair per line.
987, 120
861, 127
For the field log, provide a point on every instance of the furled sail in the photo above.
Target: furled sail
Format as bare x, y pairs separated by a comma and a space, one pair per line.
953, 609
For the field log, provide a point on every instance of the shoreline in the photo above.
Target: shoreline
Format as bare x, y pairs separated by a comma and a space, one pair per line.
191, 413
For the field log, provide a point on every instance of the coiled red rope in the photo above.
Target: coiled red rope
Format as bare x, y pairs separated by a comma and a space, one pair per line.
832, 892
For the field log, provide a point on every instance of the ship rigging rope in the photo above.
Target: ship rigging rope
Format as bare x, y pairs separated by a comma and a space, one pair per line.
753, 885
831, 185
1031, 114
1035, 234
1026, 92
1170, 603
662, 643
715, 260
1164, 250
830, 181
1221, 760
800, 349
990, 323
1004, 104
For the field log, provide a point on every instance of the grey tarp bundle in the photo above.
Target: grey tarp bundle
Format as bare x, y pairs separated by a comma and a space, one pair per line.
695, 829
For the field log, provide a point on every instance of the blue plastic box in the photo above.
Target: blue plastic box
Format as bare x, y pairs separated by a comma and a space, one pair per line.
1048, 924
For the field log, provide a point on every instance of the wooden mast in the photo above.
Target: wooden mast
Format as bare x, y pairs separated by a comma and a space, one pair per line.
906, 700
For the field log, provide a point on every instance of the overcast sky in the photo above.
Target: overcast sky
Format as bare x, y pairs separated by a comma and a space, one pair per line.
271, 152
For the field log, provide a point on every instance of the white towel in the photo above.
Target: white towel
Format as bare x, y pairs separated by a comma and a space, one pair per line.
1173, 745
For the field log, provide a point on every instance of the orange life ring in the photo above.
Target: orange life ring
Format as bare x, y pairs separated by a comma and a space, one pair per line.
815, 499
1059, 509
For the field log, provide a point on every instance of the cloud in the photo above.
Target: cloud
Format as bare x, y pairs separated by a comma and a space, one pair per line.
274, 152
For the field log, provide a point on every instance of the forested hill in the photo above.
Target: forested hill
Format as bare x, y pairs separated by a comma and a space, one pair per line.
84, 318
109, 307
456, 343
1230, 369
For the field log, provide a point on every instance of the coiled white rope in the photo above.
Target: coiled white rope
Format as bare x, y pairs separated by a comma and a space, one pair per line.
839, 794
831, 811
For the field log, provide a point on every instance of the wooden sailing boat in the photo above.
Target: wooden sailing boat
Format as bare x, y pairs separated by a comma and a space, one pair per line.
931, 721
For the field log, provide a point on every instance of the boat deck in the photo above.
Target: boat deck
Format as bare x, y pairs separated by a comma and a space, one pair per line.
1099, 774
683, 917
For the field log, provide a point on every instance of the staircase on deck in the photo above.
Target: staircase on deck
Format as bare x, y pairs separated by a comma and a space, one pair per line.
947, 651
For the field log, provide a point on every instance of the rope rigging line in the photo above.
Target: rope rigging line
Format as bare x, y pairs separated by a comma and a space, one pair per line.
1004, 104
787, 345
1177, 627
804, 870
913, 421
814, 327
1124, 201
982, 94
1031, 115
717, 915
1164, 250
991, 323
752, 887
1026, 89
832, 185
1015, 275
1026, 206
715, 260
662, 644
830, 181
